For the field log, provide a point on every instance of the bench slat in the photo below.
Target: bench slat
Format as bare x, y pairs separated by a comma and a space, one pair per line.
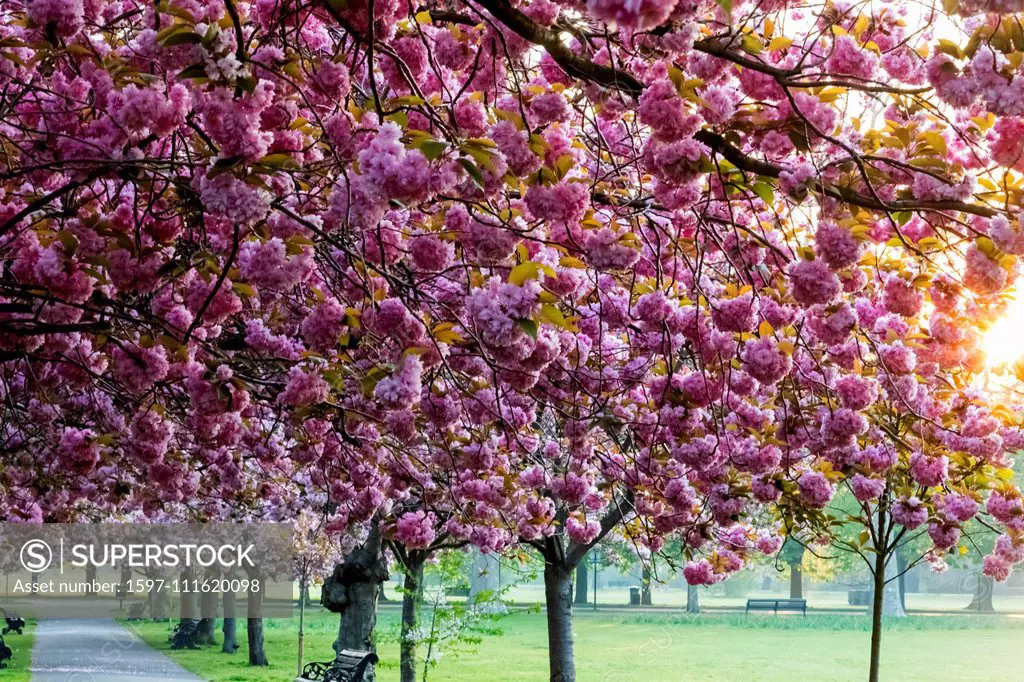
777, 604
348, 664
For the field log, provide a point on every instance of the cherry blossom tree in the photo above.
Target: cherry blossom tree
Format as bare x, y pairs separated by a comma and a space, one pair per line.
510, 273
316, 553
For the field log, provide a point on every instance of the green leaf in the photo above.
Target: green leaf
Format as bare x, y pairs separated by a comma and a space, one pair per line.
764, 191
564, 164
278, 161
194, 71
406, 101
182, 38
433, 149
751, 43
243, 289
247, 83
474, 173
902, 217
523, 272
399, 117
223, 165
528, 326
552, 314
68, 241
175, 11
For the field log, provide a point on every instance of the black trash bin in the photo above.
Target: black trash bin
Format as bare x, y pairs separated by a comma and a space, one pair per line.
634, 596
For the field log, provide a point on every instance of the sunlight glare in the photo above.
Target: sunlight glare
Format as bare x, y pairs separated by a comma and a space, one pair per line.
1003, 342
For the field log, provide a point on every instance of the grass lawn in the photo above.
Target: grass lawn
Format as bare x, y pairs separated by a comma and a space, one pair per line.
17, 669
672, 596
648, 647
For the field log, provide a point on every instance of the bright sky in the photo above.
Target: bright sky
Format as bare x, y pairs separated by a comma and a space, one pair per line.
1004, 341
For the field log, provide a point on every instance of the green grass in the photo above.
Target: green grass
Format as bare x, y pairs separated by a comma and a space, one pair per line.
647, 647
715, 598
17, 669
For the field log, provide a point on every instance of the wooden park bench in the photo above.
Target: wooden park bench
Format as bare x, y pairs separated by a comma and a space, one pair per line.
777, 605
5, 653
858, 597
186, 634
348, 666
14, 625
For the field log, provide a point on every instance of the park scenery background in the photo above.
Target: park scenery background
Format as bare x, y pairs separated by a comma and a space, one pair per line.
483, 297
660, 640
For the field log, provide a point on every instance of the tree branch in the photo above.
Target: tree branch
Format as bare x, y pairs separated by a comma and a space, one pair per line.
580, 66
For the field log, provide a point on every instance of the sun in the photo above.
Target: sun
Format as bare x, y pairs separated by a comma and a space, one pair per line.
1003, 342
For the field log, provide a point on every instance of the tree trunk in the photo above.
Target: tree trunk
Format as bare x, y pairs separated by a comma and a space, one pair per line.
645, 586
90, 577
411, 597
981, 602
796, 581
352, 590
303, 593
230, 627
254, 629
558, 600
892, 606
580, 598
485, 582
208, 612
254, 635
188, 609
206, 634
230, 630
692, 599
126, 581
158, 601
876, 615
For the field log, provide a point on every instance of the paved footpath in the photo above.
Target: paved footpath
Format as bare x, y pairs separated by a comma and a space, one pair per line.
98, 651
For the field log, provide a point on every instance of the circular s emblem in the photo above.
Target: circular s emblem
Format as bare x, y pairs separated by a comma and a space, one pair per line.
36, 556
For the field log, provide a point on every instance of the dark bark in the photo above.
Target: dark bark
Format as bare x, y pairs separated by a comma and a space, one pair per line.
352, 590
411, 598
152, 603
160, 600
254, 635
580, 597
230, 630
558, 600
230, 627
254, 628
206, 634
796, 581
876, 614
188, 609
692, 599
645, 586
303, 598
126, 578
90, 576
